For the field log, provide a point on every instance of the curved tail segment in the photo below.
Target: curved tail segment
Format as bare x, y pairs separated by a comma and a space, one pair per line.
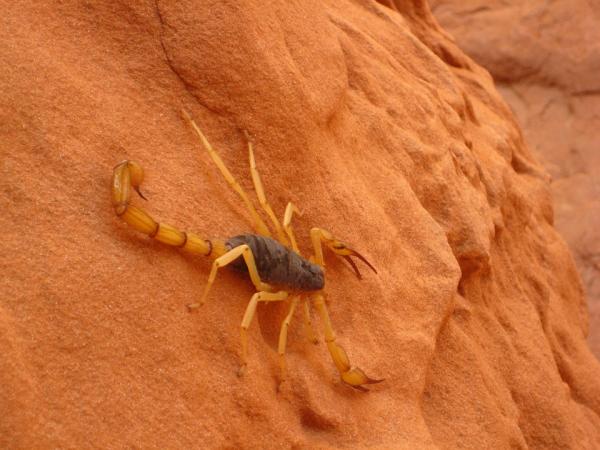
351, 375
128, 176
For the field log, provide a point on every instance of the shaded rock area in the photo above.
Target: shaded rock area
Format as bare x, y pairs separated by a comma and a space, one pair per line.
369, 118
547, 68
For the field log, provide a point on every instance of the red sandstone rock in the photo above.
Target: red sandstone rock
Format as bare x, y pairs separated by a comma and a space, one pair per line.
547, 69
376, 125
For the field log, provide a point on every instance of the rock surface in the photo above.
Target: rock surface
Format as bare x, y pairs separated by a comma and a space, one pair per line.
369, 118
547, 70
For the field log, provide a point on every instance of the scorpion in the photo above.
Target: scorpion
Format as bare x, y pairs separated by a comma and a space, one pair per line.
276, 267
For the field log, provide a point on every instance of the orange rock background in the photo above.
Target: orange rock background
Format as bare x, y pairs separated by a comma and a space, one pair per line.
547, 69
379, 128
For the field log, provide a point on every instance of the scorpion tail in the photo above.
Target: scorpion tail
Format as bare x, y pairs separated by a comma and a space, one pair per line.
129, 175
351, 375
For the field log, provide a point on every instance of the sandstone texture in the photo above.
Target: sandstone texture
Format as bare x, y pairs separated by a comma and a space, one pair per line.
547, 68
368, 117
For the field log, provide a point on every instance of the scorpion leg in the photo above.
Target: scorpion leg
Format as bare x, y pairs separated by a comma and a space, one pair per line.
259, 225
260, 192
287, 224
261, 296
351, 375
318, 235
227, 258
308, 326
283, 338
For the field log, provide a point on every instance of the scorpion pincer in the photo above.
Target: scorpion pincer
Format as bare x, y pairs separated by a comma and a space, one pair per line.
275, 266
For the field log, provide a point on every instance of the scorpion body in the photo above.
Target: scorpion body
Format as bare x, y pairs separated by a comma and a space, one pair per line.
278, 265
275, 267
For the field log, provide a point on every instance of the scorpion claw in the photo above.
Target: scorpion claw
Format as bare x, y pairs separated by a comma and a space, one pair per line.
353, 264
362, 258
347, 253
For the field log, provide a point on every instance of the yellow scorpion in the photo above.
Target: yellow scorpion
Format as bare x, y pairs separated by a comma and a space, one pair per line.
277, 271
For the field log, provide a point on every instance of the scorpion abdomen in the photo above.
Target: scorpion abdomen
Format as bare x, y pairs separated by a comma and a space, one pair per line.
277, 264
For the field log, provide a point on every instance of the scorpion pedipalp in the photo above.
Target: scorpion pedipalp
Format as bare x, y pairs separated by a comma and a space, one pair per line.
341, 249
353, 264
319, 235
